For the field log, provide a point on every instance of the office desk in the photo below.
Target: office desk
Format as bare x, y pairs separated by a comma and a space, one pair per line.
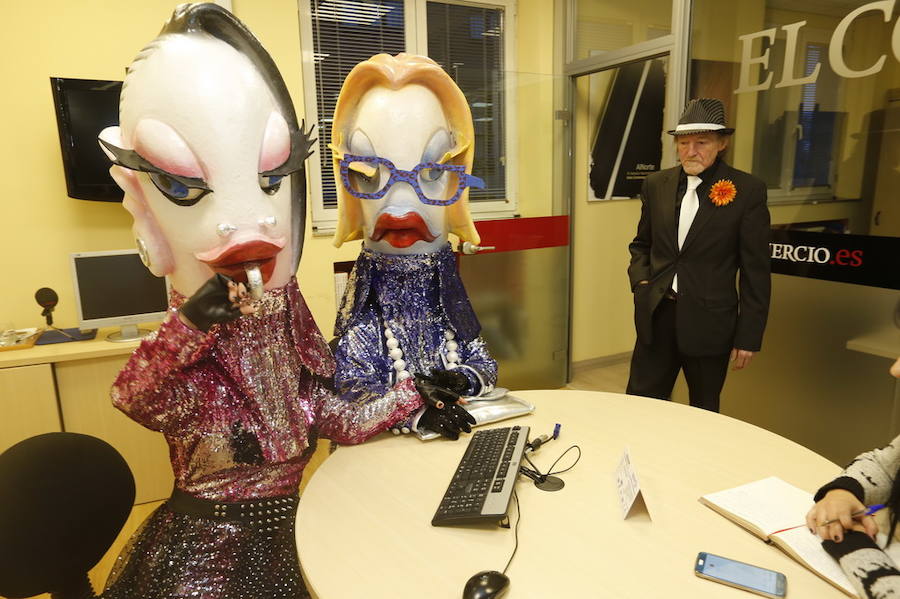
65, 386
364, 524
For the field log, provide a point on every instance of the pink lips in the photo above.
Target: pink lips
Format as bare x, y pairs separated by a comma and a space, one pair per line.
401, 231
235, 259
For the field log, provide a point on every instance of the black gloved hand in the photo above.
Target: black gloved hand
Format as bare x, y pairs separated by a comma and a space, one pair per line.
432, 393
448, 422
442, 414
210, 304
451, 379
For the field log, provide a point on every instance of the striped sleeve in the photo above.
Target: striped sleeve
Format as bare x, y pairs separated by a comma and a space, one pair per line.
870, 570
870, 475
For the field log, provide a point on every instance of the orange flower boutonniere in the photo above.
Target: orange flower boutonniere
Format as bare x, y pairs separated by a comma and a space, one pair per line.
722, 192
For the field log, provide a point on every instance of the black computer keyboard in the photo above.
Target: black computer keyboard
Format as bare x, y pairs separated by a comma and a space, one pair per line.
483, 482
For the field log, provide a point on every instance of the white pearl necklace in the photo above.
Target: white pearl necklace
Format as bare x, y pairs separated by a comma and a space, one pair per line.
449, 357
396, 354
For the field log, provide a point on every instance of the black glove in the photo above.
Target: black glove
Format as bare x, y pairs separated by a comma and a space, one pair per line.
451, 379
434, 394
210, 304
448, 422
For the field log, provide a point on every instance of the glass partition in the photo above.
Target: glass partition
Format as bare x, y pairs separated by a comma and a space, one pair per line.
814, 92
602, 25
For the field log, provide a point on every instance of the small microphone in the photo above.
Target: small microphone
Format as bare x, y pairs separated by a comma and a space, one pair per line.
47, 299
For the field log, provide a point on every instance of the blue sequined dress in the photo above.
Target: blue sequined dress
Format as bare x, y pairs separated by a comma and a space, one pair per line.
420, 298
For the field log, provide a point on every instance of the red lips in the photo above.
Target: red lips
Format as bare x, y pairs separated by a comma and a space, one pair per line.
239, 257
402, 231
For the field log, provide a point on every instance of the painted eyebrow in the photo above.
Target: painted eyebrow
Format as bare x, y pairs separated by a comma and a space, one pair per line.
301, 142
134, 161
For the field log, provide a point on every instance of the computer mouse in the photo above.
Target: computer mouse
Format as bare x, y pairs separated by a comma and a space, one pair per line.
489, 584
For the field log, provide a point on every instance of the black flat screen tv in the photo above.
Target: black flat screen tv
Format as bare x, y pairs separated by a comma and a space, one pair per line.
84, 107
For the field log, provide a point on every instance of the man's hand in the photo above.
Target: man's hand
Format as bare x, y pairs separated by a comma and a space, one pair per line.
740, 358
218, 300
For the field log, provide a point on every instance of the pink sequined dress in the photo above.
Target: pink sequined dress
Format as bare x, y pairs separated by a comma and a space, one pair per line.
241, 409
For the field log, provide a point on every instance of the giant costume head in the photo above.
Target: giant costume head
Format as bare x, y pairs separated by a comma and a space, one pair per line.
403, 145
210, 154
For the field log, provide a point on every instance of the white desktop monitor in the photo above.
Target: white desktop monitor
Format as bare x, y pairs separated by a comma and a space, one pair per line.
114, 288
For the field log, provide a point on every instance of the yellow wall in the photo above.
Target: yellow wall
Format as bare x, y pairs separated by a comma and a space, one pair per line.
533, 87
611, 24
601, 234
96, 39
90, 39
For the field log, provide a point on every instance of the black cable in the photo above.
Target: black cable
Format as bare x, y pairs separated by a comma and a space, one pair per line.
538, 476
536, 469
575, 447
518, 519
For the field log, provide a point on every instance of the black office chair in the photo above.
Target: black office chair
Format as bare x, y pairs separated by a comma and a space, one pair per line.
64, 497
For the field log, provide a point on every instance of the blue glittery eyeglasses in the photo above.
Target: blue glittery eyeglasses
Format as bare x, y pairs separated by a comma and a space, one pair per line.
436, 184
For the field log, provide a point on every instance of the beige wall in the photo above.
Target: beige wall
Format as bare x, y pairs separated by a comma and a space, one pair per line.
96, 39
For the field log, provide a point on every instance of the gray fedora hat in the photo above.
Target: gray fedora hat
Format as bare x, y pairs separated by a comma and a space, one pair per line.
702, 115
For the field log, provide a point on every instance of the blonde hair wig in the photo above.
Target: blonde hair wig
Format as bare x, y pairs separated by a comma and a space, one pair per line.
395, 72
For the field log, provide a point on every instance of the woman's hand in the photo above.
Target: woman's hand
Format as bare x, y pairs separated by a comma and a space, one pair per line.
831, 516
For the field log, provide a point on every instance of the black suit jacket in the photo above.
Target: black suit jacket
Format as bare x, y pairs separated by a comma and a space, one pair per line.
712, 317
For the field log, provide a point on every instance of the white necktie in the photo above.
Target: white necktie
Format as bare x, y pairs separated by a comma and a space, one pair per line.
689, 205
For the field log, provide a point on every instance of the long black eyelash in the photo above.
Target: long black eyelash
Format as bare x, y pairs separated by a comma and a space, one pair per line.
132, 160
301, 142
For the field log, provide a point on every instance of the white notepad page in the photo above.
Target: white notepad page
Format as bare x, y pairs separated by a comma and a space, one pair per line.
809, 548
771, 504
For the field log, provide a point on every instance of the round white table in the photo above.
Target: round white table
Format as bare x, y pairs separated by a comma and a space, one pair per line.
364, 523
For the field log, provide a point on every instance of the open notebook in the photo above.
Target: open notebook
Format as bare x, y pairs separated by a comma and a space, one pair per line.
769, 505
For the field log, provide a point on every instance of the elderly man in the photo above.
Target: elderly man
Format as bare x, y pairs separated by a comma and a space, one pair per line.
702, 223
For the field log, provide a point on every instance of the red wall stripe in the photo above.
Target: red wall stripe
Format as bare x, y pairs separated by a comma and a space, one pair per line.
511, 234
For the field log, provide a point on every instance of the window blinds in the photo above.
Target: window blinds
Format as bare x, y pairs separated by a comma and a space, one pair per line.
346, 32
468, 42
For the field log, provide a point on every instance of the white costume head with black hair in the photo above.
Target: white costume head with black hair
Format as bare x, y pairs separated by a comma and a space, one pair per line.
210, 154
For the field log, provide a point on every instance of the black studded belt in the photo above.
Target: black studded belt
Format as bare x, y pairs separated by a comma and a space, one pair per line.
265, 512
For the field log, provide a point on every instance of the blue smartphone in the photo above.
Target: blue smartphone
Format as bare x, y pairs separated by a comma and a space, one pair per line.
767, 583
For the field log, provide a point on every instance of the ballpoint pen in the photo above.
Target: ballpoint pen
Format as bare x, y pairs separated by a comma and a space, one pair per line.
866, 512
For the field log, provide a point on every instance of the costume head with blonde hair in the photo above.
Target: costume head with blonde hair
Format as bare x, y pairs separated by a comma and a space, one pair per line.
403, 145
